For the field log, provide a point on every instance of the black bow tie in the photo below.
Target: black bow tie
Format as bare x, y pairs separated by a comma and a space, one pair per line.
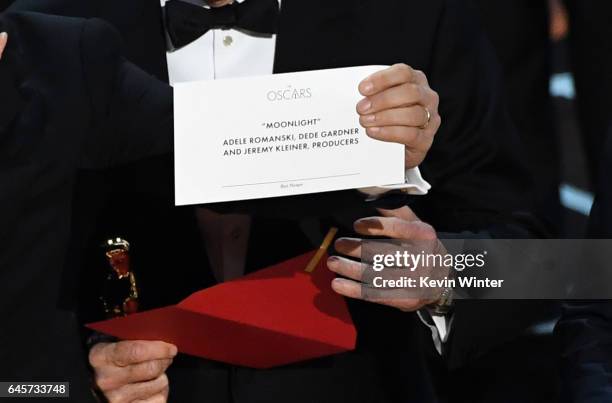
187, 22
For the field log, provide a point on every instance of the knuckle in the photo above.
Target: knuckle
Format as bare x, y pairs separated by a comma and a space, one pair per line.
427, 231
115, 398
436, 98
152, 368
133, 352
404, 69
422, 77
165, 383
397, 228
437, 123
396, 74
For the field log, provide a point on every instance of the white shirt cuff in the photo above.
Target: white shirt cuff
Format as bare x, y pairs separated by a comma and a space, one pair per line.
413, 185
440, 327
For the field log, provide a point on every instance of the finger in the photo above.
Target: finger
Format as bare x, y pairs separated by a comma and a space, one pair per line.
415, 116
404, 213
348, 246
416, 141
146, 371
387, 78
411, 137
352, 289
127, 353
3, 42
347, 288
395, 97
420, 77
346, 267
366, 250
111, 378
138, 391
159, 398
393, 227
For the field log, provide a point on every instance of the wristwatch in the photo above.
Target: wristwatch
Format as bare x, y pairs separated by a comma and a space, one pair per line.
444, 305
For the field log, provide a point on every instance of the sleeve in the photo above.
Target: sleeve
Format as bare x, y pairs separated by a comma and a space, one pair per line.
132, 113
479, 181
585, 335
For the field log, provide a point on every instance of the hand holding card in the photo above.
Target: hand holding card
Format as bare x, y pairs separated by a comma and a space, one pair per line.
279, 135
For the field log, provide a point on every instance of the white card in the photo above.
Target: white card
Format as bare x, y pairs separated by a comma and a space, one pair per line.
277, 135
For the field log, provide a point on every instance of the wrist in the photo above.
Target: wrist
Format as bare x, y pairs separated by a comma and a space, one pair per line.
444, 304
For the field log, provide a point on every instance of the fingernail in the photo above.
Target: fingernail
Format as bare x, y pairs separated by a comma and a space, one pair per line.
339, 285
369, 118
368, 87
366, 223
346, 242
364, 105
332, 262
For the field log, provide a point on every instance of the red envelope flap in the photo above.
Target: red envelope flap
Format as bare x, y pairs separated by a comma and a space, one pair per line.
217, 339
276, 316
284, 299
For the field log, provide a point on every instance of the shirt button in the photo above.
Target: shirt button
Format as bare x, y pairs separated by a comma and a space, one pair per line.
228, 40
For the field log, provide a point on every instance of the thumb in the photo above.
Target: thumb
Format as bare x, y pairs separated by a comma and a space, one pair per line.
3, 41
404, 213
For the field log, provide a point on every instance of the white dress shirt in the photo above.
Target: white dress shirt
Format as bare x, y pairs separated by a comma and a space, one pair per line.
222, 53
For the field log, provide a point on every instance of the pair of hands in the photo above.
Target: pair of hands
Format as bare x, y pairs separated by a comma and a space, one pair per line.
398, 106
134, 371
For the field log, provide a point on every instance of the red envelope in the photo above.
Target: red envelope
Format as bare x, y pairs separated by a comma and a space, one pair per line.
276, 316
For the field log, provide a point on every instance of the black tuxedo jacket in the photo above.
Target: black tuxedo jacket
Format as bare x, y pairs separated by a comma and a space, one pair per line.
69, 101
585, 328
478, 180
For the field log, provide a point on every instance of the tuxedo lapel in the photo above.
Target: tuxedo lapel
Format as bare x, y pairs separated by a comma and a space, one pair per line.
315, 34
